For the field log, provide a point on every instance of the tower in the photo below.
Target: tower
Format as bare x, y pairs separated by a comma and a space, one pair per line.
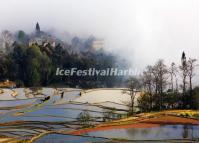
183, 59
37, 28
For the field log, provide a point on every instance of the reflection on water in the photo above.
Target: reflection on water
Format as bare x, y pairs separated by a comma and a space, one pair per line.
59, 138
12, 103
51, 112
33, 109
58, 109
156, 133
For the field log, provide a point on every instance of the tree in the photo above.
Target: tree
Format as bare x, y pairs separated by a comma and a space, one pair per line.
18, 61
4, 68
148, 84
45, 69
33, 60
22, 37
6, 41
172, 71
144, 102
183, 68
84, 118
191, 65
134, 83
33, 76
195, 98
160, 72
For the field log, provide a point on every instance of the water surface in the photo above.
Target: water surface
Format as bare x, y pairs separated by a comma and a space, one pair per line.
60, 138
166, 132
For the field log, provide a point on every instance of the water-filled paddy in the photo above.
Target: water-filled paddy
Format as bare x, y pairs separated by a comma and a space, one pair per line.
166, 132
56, 109
60, 138
60, 113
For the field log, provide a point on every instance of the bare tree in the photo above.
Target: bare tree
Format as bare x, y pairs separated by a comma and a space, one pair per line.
6, 41
134, 83
155, 80
148, 83
172, 71
191, 65
160, 72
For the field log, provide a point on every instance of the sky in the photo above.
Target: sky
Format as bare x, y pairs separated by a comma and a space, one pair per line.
142, 31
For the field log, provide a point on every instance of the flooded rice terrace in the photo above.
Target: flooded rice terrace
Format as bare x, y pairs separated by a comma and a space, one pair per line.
161, 134
166, 132
54, 113
25, 113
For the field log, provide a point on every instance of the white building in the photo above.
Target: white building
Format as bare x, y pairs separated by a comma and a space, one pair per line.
98, 44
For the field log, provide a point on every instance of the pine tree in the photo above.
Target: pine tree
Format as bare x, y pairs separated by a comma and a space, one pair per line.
183, 68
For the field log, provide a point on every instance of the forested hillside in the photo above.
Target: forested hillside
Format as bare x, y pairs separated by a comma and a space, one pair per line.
32, 60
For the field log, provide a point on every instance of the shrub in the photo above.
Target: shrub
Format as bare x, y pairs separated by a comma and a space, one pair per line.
85, 119
186, 114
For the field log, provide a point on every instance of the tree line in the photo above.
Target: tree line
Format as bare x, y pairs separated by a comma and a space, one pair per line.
35, 64
166, 87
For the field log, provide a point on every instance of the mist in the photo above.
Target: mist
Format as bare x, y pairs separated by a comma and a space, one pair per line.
142, 31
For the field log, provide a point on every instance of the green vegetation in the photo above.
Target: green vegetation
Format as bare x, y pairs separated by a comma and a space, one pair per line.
186, 114
196, 116
195, 98
32, 60
85, 119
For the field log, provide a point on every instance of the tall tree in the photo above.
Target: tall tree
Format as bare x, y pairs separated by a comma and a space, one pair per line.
45, 69
134, 83
191, 65
4, 66
6, 41
160, 72
148, 83
18, 59
172, 71
33, 60
183, 68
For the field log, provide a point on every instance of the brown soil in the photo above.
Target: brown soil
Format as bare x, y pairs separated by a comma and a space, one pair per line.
147, 123
171, 120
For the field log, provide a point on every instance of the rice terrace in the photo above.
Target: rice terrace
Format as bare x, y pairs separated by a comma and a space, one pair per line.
99, 71
25, 117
